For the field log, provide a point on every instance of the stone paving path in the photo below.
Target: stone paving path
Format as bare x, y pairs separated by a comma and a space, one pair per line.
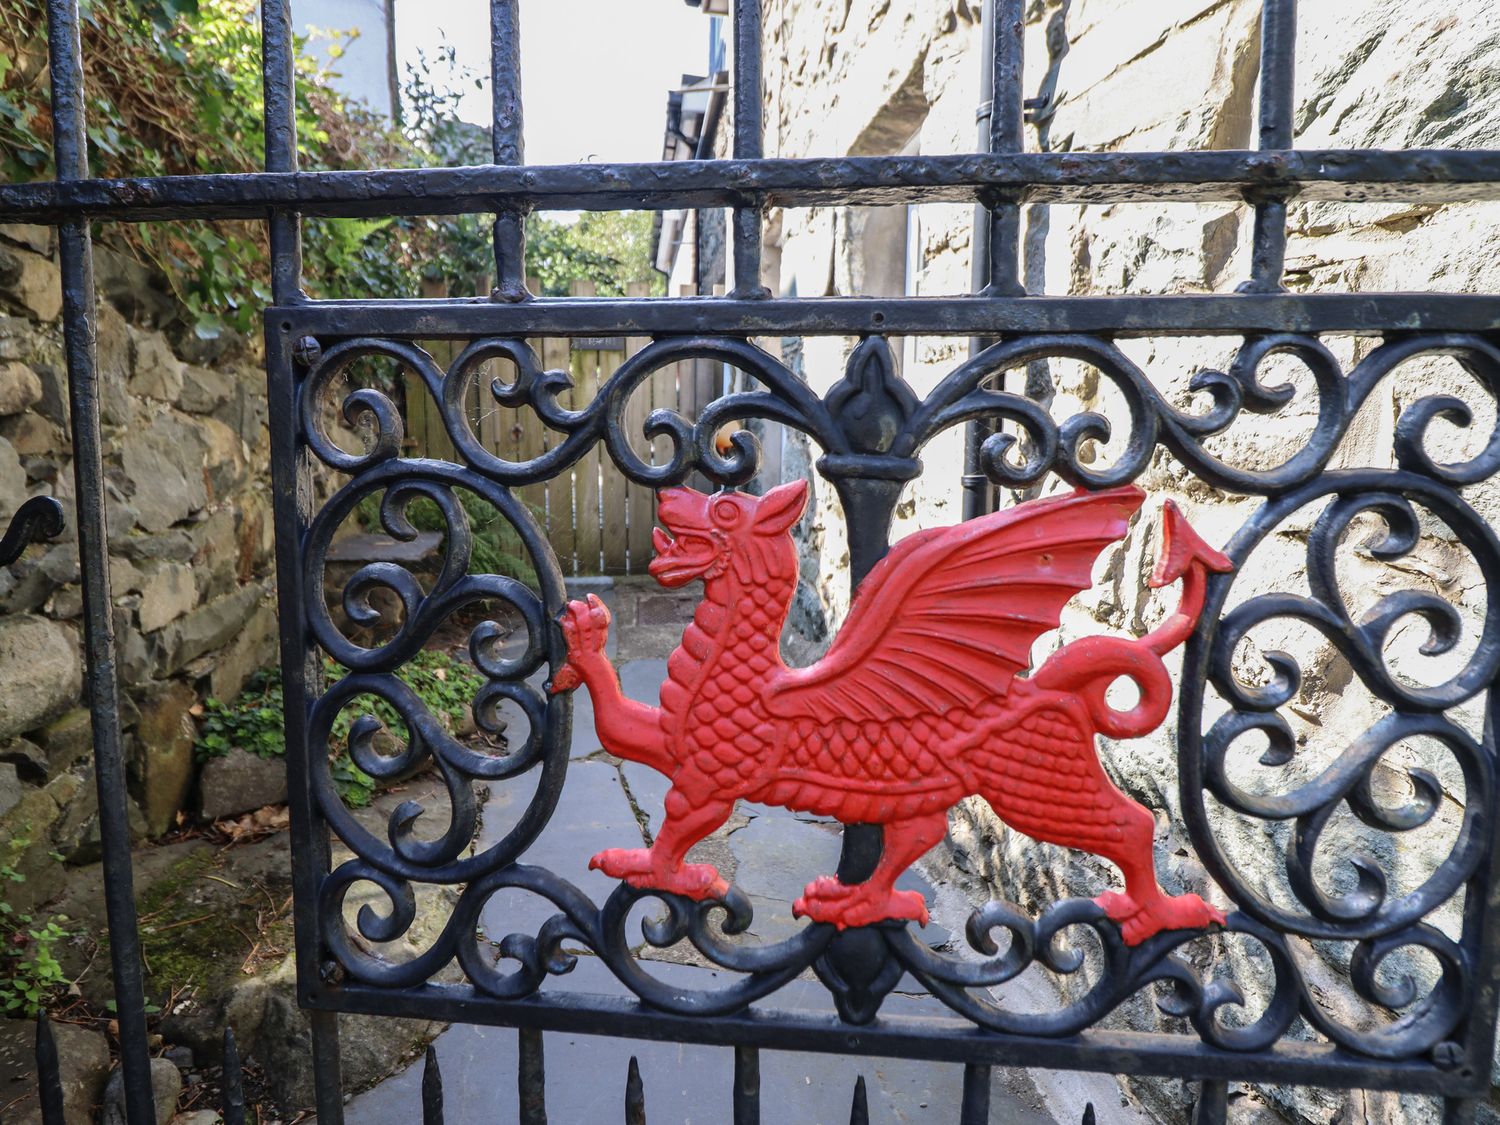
770, 854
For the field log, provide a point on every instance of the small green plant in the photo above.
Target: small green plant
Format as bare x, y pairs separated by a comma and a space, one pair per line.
30, 974
253, 720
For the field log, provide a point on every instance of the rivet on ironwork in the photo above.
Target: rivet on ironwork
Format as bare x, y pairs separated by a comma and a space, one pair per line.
307, 351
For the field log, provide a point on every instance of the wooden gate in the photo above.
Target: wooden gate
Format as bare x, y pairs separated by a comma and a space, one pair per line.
598, 521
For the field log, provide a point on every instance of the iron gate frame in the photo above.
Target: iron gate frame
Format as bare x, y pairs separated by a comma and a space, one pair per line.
301, 333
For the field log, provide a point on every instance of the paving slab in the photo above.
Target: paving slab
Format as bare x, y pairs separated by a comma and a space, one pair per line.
770, 853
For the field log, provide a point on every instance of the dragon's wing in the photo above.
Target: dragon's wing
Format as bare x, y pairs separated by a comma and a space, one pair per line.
949, 616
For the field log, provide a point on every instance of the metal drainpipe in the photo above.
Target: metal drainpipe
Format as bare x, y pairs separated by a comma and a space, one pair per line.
976, 485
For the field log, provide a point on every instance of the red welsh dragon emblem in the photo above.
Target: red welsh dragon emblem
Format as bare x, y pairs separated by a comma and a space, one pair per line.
922, 699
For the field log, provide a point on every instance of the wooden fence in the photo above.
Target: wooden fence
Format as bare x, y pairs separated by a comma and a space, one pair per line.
599, 522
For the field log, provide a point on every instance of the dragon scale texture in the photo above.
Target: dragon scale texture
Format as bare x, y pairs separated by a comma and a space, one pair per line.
922, 700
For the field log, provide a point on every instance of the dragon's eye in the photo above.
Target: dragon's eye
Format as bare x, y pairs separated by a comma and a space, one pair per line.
726, 512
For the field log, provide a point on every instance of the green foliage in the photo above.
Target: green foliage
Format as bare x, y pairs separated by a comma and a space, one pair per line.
253, 721
174, 88
609, 248
30, 975
497, 547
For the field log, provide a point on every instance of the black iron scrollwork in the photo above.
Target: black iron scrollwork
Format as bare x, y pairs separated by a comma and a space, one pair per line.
872, 428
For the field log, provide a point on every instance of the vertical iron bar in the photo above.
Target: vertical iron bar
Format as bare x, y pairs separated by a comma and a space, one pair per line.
234, 1087
1088, 1114
278, 46
508, 145
531, 1077
76, 258
975, 1108
859, 1108
292, 498
1212, 1107
749, 144
432, 1089
746, 1086
1460, 1111
48, 1077
1278, 51
996, 266
635, 1095
1007, 134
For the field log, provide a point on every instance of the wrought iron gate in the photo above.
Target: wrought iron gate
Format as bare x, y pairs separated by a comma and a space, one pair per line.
1442, 1042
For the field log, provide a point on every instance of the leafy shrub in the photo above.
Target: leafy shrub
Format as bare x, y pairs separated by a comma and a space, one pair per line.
254, 719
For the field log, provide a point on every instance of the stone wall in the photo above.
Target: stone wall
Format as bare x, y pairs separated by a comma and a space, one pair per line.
876, 76
190, 550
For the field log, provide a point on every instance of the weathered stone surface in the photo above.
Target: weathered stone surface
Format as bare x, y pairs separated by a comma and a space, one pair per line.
208, 628
19, 388
30, 433
83, 1061
155, 371
166, 594
11, 790
31, 282
164, 770
166, 1087
164, 460
253, 648
239, 782
112, 336
205, 389
13, 492
29, 235
40, 672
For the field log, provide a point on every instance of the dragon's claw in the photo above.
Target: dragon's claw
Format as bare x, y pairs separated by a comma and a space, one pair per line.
637, 866
1141, 920
826, 899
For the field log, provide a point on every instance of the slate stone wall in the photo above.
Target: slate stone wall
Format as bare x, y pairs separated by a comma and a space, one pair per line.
190, 549
867, 76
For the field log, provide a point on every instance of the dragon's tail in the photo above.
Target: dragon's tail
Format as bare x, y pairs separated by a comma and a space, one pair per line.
1087, 667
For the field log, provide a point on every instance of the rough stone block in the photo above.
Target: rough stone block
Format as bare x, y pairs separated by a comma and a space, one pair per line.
251, 650
240, 782
156, 372
169, 592
83, 1062
20, 388
30, 282
41, 675
164, 461
205, 390
207, 628
29, 235
13, 492
164, 754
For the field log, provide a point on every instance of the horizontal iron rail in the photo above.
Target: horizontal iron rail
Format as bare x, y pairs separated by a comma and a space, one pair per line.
1426, 175
933, 1038
1190, 315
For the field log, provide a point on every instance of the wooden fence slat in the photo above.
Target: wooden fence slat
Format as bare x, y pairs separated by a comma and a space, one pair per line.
614, 534
586, 526
640, 499
560, 515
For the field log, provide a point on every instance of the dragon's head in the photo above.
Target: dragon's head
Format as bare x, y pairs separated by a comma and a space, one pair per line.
707, 532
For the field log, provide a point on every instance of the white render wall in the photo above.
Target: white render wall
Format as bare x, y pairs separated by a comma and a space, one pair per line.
883, 76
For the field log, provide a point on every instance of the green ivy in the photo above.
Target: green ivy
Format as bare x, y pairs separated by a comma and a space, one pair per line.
254, 719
